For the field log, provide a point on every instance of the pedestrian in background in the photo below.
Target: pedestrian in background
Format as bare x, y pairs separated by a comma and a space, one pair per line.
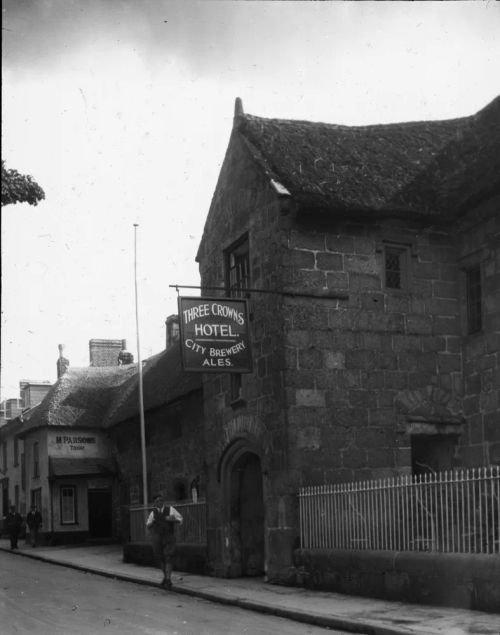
34, 522
14, 523
161, 524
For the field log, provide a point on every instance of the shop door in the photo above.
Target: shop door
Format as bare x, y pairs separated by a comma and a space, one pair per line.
99, 513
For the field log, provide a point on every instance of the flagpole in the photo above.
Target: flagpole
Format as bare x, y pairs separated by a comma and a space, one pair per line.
141, 395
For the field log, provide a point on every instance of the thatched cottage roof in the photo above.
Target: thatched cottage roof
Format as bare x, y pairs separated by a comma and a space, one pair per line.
80, 398
164, 381
426, 167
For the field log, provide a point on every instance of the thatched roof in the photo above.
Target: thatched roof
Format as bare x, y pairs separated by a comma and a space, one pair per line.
80, 398
422, 167
164, 381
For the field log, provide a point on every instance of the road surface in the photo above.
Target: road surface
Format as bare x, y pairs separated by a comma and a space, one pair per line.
41, 598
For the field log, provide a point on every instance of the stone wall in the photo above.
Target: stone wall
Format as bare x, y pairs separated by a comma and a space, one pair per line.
174, 451
245, 204
479, 243
459, 580
357, 368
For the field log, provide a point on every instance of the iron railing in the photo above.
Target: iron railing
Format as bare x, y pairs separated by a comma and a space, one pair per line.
453, 511
192, 531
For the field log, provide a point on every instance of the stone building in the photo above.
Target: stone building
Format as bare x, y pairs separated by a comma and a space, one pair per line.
173, 414
371, 258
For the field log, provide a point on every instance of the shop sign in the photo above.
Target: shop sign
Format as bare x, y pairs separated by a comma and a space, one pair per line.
215, 335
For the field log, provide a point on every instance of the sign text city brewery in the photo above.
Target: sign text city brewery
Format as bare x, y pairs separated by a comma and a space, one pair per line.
215, 335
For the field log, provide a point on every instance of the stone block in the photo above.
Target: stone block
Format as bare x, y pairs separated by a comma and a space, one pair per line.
334, 359
448, 363
341, 244
398, 380
361, 264
329, 262
310, 358
306, 240
337, 281
354, 458
443, 325
445, 290
309, 438
364, 245
380, 457
310, 398
372, 380
419, 324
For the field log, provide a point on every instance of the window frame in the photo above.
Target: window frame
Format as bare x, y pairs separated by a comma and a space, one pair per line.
403, 252
63, 520
241, 251
473, 299
36, 459
16, 451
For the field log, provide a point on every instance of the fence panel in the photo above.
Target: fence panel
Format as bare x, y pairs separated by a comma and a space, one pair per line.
451, 512
192, 531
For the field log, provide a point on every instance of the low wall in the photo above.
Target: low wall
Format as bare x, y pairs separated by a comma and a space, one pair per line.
189, 558
459, 580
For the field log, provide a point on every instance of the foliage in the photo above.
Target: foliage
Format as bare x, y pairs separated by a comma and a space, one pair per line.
19, 188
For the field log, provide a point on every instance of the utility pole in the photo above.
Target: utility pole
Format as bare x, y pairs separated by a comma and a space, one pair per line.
141, 394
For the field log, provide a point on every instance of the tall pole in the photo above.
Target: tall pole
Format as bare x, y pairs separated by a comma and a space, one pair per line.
141, 395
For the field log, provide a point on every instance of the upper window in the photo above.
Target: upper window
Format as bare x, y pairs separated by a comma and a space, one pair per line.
16, 452
4, 456
36, 460
473, 291
238, 268
396, 267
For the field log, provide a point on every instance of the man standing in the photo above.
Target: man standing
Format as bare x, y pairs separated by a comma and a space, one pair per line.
13, 522
161, 523
34, 522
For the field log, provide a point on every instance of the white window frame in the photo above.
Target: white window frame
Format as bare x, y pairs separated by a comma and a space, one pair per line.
67, 503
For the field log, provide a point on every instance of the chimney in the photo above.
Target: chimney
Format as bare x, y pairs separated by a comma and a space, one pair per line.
172, 324
105, 352
62, 362
124, 356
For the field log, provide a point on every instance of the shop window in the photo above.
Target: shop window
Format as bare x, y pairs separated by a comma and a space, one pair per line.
474, 299
68, 505
396, 267
36, 460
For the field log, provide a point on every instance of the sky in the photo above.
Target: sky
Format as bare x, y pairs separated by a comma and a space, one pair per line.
122, 110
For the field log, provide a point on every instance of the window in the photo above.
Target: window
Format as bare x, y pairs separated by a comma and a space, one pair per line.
4, 456
395, 262
23, 473
473, 293
36, 498
68, 505
237, 280
36, 460
16, 497
238, 268
16, 452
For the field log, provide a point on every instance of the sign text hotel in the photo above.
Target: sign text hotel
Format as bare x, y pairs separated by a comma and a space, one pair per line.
215, 335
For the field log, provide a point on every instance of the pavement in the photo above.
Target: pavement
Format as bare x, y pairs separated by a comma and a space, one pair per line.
321, 608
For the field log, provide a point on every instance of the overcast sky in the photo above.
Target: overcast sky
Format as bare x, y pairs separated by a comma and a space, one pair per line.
122, 110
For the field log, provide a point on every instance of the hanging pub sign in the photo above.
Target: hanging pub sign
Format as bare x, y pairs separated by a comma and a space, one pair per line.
214, 335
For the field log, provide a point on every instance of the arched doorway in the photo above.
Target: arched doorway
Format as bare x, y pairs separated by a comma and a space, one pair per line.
247, 513
241, 474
